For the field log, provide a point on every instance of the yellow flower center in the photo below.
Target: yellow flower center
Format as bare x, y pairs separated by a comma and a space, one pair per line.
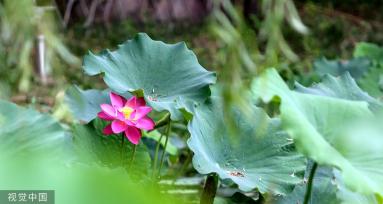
126, 111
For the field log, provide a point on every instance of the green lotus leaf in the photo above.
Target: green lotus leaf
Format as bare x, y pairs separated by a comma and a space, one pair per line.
85, 104
169, 74
256, 154
356, 67
322, 129
343, 87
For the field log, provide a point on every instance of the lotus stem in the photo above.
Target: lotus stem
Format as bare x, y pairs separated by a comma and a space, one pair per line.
156, 155
310, 183
209, 189
122, 149
184, 166
166, 144
133, 155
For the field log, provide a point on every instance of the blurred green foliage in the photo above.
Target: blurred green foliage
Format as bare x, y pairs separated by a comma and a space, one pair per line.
36, 152
21, 23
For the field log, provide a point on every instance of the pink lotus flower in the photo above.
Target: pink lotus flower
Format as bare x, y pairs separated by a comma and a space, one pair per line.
126, 116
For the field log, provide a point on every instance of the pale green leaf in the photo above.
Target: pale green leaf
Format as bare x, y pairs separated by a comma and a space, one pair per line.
320, 127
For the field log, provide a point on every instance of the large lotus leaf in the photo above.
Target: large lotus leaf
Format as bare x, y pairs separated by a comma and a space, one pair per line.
168, 74
85, 104
356, 67
26, 131
343, 87
113, 151
324, 189
318, 126
254, 154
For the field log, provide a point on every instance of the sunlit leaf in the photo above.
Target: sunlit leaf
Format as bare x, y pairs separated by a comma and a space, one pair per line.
348, 197
321, 127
